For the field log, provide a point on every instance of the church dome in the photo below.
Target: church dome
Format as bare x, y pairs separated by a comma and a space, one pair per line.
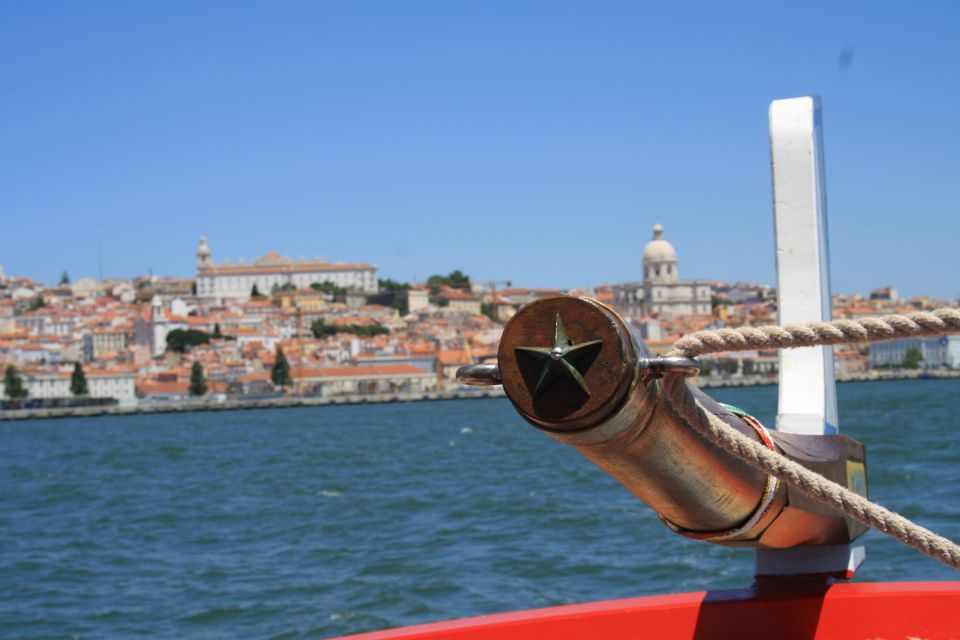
203, 249
658, 249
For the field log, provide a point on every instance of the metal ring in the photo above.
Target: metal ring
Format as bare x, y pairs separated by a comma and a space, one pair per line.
479, 375
671, 364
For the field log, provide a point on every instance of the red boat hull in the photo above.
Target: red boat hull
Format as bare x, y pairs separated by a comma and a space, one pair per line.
928, 610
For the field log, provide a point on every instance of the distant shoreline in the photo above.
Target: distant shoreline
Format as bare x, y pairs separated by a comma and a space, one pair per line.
291, 401
714, 382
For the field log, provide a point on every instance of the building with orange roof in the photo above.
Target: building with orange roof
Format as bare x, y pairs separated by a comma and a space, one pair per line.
418, 299
448, 361
459, 302
152, 388
362, 379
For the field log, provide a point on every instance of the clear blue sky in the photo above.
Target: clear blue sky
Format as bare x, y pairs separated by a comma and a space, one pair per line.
537, 141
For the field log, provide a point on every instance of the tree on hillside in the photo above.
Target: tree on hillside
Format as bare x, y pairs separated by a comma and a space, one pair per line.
334, 293
280, 372
78, 381
488, 310
181, 340
64, 278
198, 383
392, 285
13, 383
455, 280
216, 331
255, 292
321, 329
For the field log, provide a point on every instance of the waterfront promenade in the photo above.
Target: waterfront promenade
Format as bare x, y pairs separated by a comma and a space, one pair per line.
292, 400
234, 404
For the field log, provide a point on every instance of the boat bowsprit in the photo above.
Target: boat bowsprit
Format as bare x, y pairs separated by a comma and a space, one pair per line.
794, 491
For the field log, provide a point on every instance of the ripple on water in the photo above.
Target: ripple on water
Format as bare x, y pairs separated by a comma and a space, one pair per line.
319, 522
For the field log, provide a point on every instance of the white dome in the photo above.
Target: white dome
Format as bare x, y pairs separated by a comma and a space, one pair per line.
658, 249
203, 249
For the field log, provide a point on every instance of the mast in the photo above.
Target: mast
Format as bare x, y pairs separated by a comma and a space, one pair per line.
807, 391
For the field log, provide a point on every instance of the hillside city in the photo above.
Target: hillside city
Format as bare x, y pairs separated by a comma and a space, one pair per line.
276, 327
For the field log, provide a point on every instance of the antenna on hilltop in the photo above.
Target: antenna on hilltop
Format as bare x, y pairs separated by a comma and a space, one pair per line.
99, 253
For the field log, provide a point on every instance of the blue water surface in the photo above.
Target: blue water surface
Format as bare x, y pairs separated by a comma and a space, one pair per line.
316, 522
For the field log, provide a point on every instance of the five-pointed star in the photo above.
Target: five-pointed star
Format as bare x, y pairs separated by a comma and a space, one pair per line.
560, 359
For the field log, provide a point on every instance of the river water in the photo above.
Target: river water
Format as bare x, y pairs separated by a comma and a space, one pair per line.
316, 522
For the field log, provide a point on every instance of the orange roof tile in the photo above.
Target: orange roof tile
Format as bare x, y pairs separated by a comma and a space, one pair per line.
148, 387
358, 371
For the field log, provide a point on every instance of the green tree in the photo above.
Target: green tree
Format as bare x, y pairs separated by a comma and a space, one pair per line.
181, 340
455, 279
400, 303
64, 278
78, 381
198, 383
280, 371
913, 358
321, 329
216, 331
487, 309
337, 293
35, 303
392, 285
13, 383
255, 292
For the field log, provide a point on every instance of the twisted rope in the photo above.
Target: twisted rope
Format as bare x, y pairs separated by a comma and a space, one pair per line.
804, 480
810, 483
892, 327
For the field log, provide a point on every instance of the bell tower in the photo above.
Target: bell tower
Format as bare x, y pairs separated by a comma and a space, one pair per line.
204, 257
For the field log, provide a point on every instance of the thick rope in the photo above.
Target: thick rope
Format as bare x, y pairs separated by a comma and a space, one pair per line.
893, 327
804, 480
810, 483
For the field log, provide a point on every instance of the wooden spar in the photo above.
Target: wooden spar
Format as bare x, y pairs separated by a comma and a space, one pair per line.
807, 391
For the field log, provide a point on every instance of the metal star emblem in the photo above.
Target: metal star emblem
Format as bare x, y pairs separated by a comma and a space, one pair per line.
563, 359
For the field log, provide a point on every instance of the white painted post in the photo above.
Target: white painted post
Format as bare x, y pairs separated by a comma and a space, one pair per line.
808, 399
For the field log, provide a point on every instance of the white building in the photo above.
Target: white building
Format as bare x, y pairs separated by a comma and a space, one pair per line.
363, 379
938, 352
151, 331
105, 340
100, 384
236, 280
662, 292
87, 288
417, 299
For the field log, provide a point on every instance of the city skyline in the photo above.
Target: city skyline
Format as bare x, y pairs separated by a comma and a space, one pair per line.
537, 143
